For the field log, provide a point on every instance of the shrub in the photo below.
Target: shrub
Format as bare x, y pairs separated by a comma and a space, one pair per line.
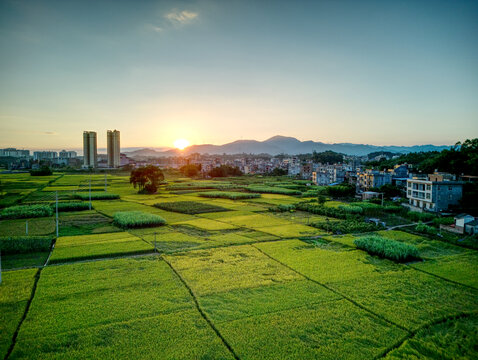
71, 206
229, 195
137, 219
26, 211
386, 248
341, 190
283, 208
201, 186
323, 210
272, 190
425, 229
443, 221
97, 196
24, 244
189, 207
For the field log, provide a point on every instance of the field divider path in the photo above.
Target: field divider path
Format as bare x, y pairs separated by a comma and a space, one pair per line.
335, 292
203, 314
25, 313
412, 333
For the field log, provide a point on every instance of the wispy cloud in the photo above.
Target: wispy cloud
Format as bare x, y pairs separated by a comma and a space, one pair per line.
181, 17
50, 133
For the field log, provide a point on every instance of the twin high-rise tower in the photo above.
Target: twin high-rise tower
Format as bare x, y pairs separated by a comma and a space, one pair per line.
113, 138
90, 151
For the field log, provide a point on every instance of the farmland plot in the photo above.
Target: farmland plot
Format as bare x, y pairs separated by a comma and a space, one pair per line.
248, 297
73, 248
15, 291
115, 309
396, 292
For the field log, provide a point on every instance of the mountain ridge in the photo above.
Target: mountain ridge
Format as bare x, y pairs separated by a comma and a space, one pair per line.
284, 145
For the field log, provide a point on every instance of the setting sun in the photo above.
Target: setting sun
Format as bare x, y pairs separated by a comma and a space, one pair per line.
181, 144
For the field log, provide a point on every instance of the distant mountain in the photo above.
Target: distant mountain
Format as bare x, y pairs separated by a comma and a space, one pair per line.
284, 145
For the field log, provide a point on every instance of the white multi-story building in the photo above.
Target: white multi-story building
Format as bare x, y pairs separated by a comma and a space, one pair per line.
12, 152
45, 155
434, 192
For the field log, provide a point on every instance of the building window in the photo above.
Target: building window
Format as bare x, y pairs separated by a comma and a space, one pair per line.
428, 196
429, 187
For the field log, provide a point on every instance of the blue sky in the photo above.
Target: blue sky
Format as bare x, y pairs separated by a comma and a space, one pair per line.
377, 72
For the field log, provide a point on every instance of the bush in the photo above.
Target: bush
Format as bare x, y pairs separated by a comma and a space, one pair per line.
229, 195
97, 196
443, 221
201, 186
26, 211
283, 208
137, 219
386, 248
71, 206
24, 244
323, 210
425, 229
272, 190
189, 207
341, 190
225, 170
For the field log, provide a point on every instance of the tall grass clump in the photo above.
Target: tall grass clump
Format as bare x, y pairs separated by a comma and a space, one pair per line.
24, 244
137, 219
229, 195
71, 206
272, 190
386, 248
26, 211
96, 196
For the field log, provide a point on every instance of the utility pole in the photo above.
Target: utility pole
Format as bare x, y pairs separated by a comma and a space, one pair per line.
382, 199
90, 192
56, 210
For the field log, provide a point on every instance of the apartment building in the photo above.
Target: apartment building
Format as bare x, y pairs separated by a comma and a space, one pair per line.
90, 153
433, 192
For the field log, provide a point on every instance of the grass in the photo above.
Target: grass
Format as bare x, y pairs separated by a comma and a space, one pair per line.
397, 292
228, 195
74, 248
26, 211
25, 260
189, 207
272, 190
208, 224
71, 206
15, 291
451, 339
84, 223
24, 244
137, 219
36, 226
128, 308
386, 248
96, 196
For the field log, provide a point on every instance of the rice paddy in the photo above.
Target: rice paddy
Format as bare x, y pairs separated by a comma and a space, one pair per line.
224, 278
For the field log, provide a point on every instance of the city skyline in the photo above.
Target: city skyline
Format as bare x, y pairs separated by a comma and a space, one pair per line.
213, 72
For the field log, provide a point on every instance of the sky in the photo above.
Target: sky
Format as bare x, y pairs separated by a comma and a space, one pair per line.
375, 72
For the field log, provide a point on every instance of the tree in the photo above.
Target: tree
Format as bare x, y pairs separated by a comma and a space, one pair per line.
190, 170
321, 199
43, 171
146, 178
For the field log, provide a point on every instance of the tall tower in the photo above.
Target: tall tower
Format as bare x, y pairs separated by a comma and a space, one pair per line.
90, 157
113, 140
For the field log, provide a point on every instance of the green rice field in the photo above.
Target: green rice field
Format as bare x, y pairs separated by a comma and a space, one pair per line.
223, 277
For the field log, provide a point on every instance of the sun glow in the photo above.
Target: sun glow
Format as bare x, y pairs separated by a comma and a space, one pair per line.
181, 144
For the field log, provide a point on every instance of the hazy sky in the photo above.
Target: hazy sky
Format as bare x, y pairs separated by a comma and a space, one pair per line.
378, 72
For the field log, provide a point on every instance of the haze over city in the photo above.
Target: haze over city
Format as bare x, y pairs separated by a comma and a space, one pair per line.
373, 72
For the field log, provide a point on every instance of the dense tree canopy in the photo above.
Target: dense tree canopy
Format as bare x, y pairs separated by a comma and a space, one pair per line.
146, 178
225, 170
460, 159
190, 170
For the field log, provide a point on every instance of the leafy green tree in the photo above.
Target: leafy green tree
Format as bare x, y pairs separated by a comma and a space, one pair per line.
190, 170
225, 170
146, 178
